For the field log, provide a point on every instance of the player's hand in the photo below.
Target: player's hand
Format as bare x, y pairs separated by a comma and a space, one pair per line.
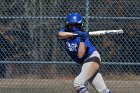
82, 34
85, 34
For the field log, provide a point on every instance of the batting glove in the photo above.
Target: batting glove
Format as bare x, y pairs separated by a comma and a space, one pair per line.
83, 35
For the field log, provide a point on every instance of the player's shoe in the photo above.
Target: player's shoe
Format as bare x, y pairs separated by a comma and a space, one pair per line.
109, 92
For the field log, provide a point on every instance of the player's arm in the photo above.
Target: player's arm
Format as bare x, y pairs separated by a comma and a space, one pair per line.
82, 47
64, 35
81, 50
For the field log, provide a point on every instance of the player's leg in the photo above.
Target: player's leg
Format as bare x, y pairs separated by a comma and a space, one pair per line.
97, 79
87, 71
99, 84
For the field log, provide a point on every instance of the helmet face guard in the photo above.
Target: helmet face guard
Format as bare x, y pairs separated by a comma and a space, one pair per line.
73, 27
70, 25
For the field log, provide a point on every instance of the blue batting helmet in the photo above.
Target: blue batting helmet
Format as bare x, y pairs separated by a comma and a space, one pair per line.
73, 18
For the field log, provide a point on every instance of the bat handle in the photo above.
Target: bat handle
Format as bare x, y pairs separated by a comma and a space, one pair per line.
74, 34
120, 31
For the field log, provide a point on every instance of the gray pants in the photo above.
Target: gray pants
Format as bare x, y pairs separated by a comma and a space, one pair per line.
87, 71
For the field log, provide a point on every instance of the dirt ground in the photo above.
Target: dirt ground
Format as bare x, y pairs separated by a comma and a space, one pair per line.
61, 86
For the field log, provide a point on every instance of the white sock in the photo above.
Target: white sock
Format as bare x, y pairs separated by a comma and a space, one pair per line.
99, 83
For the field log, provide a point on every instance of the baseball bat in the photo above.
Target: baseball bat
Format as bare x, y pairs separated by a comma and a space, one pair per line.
102, 32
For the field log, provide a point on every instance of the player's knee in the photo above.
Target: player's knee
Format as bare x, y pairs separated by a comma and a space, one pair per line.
81, 89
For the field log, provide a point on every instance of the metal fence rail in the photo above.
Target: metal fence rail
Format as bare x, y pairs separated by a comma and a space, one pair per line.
66, 62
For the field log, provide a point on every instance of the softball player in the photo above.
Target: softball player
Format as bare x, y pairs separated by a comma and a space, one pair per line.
82, 52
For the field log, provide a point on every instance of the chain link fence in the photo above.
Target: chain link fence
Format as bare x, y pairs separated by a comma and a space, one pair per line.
33, 60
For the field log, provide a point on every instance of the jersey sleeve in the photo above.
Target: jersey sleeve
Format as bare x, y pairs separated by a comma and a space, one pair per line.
87, 42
